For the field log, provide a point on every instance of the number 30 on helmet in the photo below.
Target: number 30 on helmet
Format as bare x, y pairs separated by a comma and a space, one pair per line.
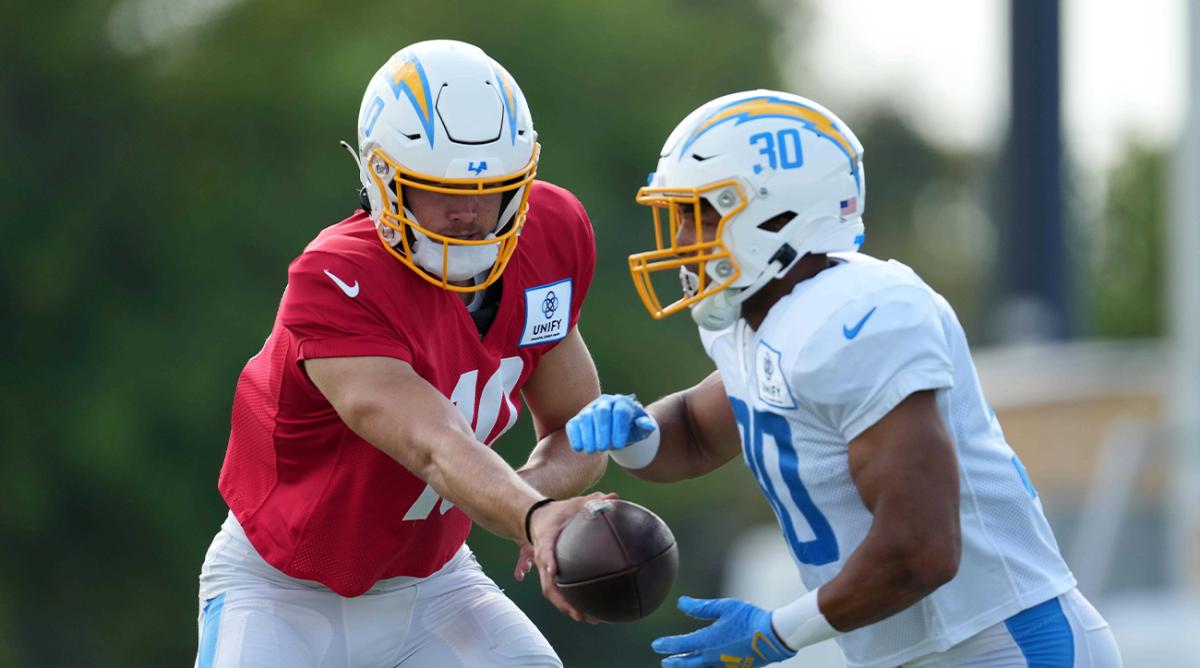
786, 177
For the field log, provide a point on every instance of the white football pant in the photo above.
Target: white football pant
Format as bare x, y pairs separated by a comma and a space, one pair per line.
252, 616
1064, 632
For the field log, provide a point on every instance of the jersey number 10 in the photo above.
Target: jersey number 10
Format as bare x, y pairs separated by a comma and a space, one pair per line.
823, 548
498, 389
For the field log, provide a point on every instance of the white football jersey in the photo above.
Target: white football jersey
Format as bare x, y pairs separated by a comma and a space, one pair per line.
830, 360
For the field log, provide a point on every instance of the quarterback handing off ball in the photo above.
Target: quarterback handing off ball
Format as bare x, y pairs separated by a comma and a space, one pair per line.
616, 561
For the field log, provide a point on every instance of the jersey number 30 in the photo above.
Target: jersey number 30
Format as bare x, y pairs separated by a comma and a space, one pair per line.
823, 548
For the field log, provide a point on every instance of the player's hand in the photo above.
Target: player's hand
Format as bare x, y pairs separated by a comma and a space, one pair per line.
741, 635
545, 526
524, 562
610, 422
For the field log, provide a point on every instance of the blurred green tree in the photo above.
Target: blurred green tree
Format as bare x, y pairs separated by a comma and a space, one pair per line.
173, 158
1125, 281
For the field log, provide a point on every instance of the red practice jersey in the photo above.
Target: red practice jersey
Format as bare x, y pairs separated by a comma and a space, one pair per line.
317, 501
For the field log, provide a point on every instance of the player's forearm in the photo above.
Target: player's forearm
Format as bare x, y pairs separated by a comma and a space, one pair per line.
682, 452
557, 471
485, 487
459, 468
676, 448
884, 576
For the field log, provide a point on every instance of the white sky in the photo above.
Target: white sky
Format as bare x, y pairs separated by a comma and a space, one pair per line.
944, 65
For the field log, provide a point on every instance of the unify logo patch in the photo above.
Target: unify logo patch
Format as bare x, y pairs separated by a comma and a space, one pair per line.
547, 309
772, 383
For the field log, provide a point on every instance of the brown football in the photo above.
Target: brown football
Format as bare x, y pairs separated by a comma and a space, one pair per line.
616, 561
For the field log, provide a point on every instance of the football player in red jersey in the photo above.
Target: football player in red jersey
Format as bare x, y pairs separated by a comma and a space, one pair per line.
405, 341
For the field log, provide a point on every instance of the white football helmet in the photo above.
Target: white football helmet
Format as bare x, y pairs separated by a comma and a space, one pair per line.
443, 116
786, 177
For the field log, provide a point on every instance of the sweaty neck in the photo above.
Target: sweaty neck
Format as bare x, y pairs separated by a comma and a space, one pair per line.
468, 298
755, 309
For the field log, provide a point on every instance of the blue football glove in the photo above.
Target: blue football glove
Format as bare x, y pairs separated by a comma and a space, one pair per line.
610, 422
742, 636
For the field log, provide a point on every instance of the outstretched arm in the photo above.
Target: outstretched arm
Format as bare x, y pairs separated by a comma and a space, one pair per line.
386, 403
564, 382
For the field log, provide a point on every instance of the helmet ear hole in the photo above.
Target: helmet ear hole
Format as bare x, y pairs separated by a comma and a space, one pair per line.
776, 223
364, 200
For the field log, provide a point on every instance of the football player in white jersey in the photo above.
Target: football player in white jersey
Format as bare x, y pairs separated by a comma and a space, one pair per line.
846, 384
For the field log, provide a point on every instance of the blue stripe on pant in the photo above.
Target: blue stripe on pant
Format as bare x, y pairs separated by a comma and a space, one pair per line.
1044, 635
212, 625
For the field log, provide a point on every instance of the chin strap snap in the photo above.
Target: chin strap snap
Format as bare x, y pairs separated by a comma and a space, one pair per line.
785, 256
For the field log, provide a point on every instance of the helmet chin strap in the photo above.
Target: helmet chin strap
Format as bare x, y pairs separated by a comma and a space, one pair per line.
719, 310
722, 309
461, 262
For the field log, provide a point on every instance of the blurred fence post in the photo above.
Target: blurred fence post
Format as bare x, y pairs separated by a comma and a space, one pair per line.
1109, 496
1033, 257
1183, 277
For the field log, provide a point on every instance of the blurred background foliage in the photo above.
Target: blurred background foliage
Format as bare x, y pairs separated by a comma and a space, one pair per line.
165, 160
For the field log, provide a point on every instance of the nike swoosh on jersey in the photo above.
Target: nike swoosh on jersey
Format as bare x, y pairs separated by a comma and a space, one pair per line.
851, 332
350, 290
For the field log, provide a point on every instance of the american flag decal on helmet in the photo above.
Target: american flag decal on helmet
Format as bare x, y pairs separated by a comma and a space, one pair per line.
849, 206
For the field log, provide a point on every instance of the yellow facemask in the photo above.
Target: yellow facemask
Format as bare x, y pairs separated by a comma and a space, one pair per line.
401, 228
693, 258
